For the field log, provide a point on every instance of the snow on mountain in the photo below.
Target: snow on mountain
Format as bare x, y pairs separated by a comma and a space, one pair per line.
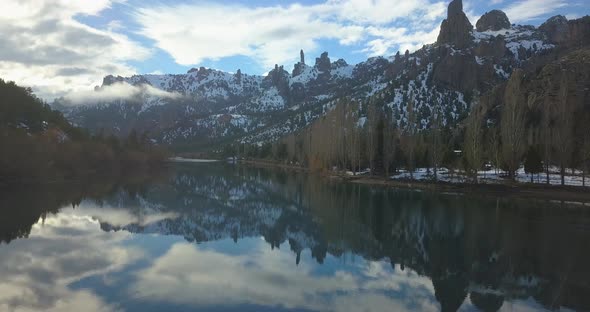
216, 106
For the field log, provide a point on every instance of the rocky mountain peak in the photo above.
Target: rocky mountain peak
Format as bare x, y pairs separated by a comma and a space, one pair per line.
455, 8
299, 67
323, 63
456, 28
239, 76
555, 28
339, 64
493, 20
110, 79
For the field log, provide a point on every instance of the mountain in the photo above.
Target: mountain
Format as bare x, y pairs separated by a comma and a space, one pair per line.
209, 106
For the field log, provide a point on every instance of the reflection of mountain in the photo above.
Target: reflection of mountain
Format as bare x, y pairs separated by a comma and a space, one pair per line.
224, 205
485, 249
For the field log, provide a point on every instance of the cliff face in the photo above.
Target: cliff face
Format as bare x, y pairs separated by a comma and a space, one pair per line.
456, 28
567, 34
558, 92
493, 20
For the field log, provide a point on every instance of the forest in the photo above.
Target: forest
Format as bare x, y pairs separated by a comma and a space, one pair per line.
536, 120
38, 144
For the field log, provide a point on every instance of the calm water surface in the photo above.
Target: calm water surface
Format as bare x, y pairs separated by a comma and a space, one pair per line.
216, 237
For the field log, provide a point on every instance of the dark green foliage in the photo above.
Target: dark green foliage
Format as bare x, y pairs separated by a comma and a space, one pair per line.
39, 144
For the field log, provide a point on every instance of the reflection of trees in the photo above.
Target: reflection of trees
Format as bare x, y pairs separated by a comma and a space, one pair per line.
504, 248
487, 249
21, 208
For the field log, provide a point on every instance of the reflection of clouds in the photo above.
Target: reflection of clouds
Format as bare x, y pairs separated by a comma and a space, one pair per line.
189, 275
121, 217
64, 249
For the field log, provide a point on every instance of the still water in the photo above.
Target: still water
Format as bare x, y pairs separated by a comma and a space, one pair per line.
217, 237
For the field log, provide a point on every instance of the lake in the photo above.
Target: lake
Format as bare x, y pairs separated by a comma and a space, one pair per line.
221, 237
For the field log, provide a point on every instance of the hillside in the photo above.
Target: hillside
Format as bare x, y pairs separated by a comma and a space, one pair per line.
38, 144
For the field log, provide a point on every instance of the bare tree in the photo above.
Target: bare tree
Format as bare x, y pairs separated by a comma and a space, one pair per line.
370, 126
409, 137
436, 146
389, 144
473, 147
547, 133
493, 149
585, 150
563, 134
513, 124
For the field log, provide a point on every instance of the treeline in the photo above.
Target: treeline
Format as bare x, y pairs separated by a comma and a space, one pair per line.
39, 144
538, 120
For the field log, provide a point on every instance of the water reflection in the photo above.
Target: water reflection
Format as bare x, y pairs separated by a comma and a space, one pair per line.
227, 238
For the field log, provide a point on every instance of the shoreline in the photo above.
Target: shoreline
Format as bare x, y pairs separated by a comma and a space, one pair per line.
577, 194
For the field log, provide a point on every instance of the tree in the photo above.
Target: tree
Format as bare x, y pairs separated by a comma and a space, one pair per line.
473, 147
533, 163
563, 132
370, 126
389, 145
409, 137
282, 152
436, 144
493, 147
512, 129
585, 150
547, 133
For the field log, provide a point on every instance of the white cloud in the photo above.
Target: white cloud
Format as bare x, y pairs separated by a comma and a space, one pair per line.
43, 46
268, 278
37, 272
117, 91
273, 35
401, 39
527, 10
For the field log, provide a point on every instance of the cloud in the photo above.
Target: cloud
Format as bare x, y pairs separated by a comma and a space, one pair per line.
117, 91
121, 215
527, 10
45, 47
261, 276
270, 35
37, 271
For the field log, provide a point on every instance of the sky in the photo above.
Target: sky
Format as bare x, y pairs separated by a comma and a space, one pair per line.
60, 47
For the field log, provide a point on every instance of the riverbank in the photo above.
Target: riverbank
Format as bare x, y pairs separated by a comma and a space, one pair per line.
574, 194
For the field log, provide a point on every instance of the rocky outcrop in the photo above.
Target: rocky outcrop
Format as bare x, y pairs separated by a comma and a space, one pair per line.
322, 63
446, 73
542, 91
556, 29
572, 34
456, 29
299, 67
494, 20
239, 76
110, 79
495, 48
579, 32
279, 78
